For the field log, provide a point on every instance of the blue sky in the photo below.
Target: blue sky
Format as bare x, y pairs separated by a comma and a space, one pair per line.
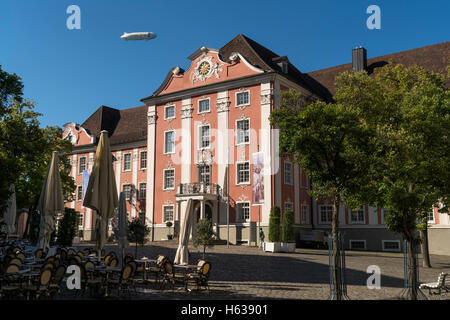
70, 73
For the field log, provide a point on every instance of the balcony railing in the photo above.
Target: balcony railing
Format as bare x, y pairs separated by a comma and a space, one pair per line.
198, 188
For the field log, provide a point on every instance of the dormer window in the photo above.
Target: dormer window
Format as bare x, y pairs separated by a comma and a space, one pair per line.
284, 66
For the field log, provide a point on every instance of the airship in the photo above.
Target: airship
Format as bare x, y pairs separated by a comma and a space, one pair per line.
138, 36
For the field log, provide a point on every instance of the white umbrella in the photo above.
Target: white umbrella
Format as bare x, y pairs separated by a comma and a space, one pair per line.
51, 201
182, 255
10, 213
101, 192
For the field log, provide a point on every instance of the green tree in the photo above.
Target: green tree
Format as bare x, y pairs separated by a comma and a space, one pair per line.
204, 236
67, 227
409, 109
330, 144
274, 224
137, 232
287, 231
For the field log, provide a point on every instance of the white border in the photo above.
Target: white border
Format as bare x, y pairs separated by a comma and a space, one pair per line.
164, 179
236, 99
140, 160
131, 162
174, 143
173, 214
85, 164
357, 222
249, 212
237, 131
131, 188
284, 173
139, 191
198, 105
350, 244
174, 111
390, 250
307, 211
199, 147
249, 174
320, 215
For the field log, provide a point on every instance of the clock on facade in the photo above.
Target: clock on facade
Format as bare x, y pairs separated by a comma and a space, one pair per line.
204, 68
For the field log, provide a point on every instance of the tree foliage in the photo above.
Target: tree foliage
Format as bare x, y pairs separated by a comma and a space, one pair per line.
287, 229
204, 236
138, 232
67, 227
274, 224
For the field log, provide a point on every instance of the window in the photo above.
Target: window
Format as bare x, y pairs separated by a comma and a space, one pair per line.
243, 172
243, 131
81, 220
358, 244
203, 106
82, 165
288, 173
204, 174
304, 214
169, 112
430, 215
391, 245
326, 214
357, 216
204, 137
243, 211
169, 179
143, 162
127, 191
127, 162
80, 193
169, 146
288, 206
242, 98
142, 190
168, 213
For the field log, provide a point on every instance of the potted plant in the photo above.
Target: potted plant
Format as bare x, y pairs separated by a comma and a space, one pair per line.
204, 236
287, 232
169, 224
137, 233
274, 244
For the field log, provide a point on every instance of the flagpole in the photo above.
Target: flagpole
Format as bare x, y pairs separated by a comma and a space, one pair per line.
228, 197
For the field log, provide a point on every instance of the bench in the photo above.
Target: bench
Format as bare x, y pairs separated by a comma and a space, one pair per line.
438, 286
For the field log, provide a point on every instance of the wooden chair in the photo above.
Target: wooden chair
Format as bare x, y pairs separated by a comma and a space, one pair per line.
171, 277
128, 258
38, 254
121, 283
58, 276
11, 282
201, 276
158, 270
113, 262
42, 286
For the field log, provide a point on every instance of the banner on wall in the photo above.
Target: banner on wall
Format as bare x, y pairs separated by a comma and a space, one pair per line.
258, 179
86, 176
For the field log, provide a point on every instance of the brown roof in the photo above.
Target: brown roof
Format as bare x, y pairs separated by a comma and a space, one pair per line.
123, 126
434, 58
263, 58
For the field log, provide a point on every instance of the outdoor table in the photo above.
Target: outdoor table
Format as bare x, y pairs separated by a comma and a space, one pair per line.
107, 271
145, 260
30, 276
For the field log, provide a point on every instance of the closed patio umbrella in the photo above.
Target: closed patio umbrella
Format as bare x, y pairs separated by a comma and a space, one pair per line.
51, 201
101, 192
10, 213
123, 224
182, 255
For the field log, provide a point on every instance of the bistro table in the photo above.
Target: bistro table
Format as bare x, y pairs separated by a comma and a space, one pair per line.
145, 260
107, 271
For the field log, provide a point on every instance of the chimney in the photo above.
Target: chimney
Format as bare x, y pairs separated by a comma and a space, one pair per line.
359, 59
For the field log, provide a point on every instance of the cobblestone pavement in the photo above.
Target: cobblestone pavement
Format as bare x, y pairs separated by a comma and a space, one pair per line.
242, 272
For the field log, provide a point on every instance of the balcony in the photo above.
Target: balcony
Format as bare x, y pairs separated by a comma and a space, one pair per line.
199, 189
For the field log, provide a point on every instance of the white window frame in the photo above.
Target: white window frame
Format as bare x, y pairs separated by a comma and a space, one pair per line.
391, 250
304, 221
140, 193
200, 175
79, 164
237, 173
140, 160
243, 104
238, 216
289, 203
131, 189
320, 214
164, 179
81, 220
78, 193
291, 182
200, 147
131, 161
209, 105
237, 131
174, 112
357, 221
428, 215
351, 241
164, 213
165, 141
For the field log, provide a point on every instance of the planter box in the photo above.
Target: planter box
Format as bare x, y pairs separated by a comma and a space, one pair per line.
272, 246
288, 246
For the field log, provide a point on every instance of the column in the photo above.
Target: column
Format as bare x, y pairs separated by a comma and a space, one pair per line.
74, 176
151, 132
202, 209
134, 181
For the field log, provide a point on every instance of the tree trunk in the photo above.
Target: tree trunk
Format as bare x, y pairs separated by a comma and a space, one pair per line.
337, 283
424, 248
412, 271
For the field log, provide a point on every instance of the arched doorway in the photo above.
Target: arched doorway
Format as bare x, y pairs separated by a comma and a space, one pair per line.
208, 212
